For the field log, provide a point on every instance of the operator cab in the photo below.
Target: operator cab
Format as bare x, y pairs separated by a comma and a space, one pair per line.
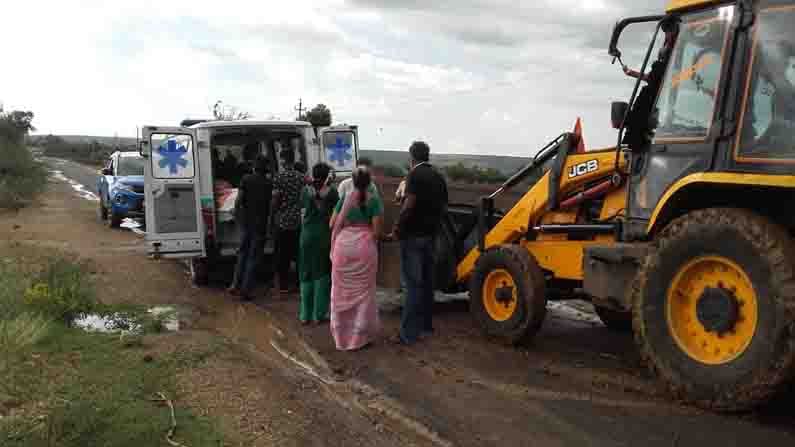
719, 97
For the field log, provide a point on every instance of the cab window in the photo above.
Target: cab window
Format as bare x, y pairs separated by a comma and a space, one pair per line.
767, 132
687, 97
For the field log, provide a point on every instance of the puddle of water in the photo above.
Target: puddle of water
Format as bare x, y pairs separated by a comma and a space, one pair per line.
567, 310
58, 175
167, 316
133, 225
390, 300
81, 190
119, 323
105, 324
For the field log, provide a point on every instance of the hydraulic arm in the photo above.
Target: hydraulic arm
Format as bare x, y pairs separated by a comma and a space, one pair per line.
561, 186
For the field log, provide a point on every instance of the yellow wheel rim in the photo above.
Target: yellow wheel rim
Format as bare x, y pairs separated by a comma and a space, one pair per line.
499, 295
695, 329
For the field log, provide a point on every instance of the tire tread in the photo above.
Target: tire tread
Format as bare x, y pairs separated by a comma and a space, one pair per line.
772, 242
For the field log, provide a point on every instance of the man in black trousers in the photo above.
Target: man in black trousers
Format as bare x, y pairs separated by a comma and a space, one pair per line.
287, 205
252, 209
420, 217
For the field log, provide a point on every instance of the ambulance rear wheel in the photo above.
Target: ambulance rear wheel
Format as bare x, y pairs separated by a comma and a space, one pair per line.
199, 271
507, 294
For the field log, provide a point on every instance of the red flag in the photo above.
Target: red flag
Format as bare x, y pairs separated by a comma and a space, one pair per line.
580, 139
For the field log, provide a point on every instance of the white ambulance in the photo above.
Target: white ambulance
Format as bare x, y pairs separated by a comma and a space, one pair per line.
192, 174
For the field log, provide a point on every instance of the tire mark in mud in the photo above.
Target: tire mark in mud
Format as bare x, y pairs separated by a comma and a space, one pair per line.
352, 392
549, 395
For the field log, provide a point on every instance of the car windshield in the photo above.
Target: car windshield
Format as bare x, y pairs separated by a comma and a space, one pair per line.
130, 166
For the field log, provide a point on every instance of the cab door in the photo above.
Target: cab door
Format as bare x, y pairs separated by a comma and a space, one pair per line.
688, 109
340, 148
175, 228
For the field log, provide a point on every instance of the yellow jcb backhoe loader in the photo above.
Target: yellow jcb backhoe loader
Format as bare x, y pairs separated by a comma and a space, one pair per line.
684, 231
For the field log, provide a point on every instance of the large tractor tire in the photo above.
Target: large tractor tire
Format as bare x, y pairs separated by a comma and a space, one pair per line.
615, 320
714, 309
507, 294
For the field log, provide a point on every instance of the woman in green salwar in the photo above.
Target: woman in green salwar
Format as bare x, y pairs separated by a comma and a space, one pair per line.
314, 269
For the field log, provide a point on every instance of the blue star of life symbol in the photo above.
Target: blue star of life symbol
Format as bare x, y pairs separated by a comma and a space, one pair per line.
172, 154
340, 152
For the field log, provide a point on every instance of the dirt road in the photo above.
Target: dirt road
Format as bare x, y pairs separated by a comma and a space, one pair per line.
578, 384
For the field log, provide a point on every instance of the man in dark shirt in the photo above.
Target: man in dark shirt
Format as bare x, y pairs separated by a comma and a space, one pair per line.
252, 209
424, 205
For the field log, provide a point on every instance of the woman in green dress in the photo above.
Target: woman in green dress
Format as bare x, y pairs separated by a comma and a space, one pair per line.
318, 201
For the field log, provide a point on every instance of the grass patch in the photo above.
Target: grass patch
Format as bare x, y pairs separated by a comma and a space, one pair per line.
67, 387
95, 391
21, 176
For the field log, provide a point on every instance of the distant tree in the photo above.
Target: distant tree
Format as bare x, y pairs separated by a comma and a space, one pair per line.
491, 175
392, 171
459, 173
474, 174
319, 116
15, 125
223, 112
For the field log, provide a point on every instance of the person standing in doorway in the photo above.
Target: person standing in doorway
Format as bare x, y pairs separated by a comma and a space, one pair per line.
417, 227
314, 257
287, 203
252, 209
346, 186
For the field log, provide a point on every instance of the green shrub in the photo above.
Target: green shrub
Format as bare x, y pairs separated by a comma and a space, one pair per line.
474, 174
12, 288
93, 152
394, 171
18, 336
61, 292
21, 177
22, 332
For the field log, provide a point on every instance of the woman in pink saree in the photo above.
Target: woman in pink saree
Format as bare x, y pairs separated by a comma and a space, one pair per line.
356, 225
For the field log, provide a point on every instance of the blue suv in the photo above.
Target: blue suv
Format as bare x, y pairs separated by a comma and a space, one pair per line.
121, 188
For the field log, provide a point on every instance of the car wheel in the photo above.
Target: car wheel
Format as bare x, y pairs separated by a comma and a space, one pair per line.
103, 212
114, 220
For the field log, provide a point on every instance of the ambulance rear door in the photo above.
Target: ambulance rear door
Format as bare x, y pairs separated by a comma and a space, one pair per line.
174, 224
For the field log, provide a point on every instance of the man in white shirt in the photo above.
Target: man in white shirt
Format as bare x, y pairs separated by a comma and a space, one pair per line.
346, 186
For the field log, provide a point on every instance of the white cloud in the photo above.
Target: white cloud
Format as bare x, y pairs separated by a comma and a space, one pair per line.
468, 75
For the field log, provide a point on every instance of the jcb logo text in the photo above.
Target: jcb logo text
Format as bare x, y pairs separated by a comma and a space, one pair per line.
583, 168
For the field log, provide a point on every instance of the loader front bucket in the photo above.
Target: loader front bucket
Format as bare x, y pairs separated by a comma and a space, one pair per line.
457, 236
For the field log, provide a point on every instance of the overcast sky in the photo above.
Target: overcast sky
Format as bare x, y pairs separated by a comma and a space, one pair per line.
468, 76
